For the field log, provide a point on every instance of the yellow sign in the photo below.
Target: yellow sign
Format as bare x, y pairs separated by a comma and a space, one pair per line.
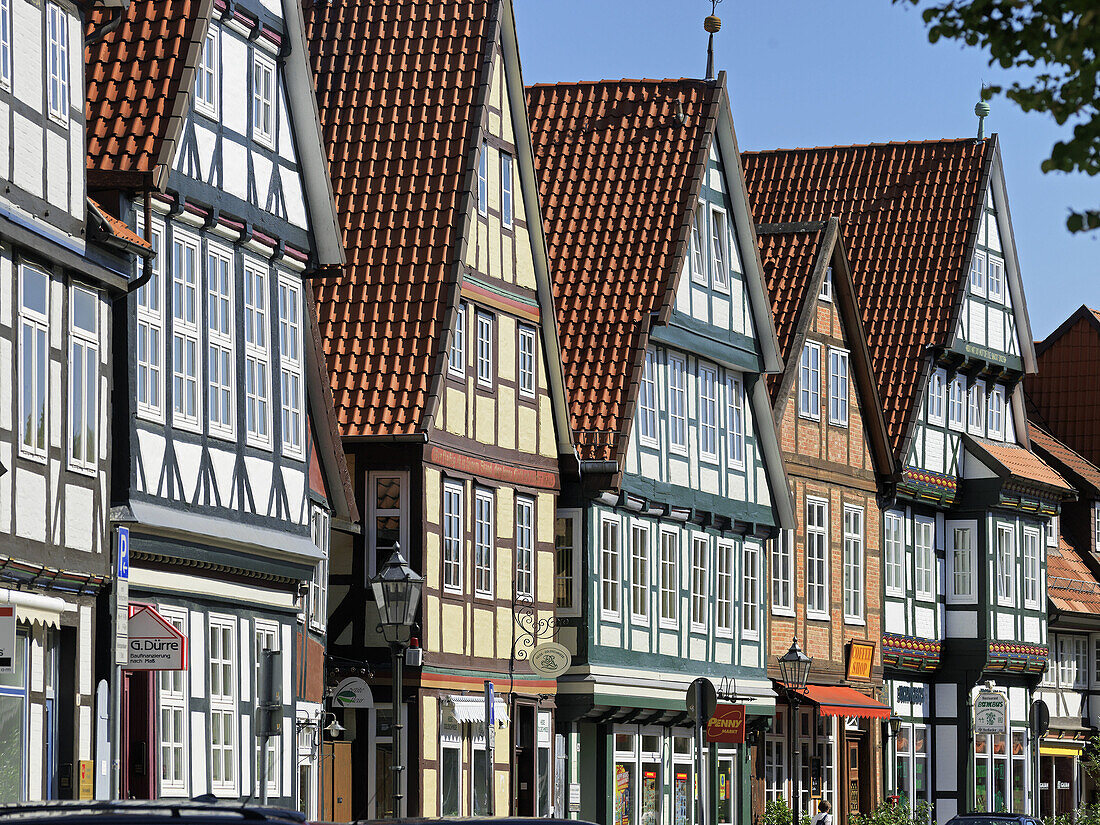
87, 778
860, 657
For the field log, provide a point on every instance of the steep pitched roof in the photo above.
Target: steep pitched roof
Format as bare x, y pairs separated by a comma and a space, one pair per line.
1062, 396
1071, 584
1084, 474
1012, 461
908, 214
135, 76
789, 256
618, 165
397, 87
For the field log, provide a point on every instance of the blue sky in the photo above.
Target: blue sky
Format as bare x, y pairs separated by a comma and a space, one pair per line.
825, 72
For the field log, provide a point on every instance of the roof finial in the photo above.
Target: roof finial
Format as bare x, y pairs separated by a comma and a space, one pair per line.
981, 109
712, 24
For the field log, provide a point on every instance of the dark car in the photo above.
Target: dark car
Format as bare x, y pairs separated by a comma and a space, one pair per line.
474, 820
201, 811
993, 819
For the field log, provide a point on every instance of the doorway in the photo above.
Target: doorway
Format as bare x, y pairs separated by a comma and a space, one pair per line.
138, 754
725, 795
337, 790
523, 770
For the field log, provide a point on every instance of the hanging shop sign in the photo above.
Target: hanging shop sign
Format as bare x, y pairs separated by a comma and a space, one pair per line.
550, 659
353, 692
861, 655
990, 713
154, 643
727, 725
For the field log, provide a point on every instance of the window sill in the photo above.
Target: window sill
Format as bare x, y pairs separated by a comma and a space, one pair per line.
783, 611
223, 435
263, 140
965, 601
187, 425
898, 593
818, 616
837, 423
150, 414
808, 416
34, 457
651, 443
87, 472
698, 628
855, 621
676, 449
720, 633
610, 617
207, 111
669, 624
750, 637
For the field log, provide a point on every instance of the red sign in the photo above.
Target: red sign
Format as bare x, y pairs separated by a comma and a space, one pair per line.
727, 726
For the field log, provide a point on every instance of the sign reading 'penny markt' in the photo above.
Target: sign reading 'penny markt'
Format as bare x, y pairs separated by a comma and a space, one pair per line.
727, 725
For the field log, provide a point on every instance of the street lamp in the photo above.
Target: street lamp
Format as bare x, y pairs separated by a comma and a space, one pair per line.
893, 727
794, 668
397, 593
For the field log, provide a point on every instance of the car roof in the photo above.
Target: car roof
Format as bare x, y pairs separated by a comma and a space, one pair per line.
193, 810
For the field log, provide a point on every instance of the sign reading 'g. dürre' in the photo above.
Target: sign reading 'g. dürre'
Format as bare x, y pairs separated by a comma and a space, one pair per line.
727, 725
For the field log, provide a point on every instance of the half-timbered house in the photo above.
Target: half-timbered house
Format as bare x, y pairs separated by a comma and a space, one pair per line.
444, 364
934, 265
203, 137
666, 333
62, 262
825, 582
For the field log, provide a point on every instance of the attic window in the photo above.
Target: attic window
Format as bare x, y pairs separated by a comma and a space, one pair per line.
827, 286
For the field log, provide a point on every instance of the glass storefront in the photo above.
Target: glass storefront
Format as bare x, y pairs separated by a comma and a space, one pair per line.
1001, 773
13, 715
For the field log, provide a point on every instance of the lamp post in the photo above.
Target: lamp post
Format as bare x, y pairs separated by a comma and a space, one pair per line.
397, 593
893, 726
794, 668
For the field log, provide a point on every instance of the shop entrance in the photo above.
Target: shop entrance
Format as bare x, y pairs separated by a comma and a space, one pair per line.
138, 724
725, 795
337, 790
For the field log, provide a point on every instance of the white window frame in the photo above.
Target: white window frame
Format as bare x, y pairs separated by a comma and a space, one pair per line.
525, 547
57, 64
507, 204
700, 549
264, 632
826, 293
995, 264
677, 404
186, 312
809, 381
708, 413
150, 325
484, 542
83, 349
1005, 564
483, 179
528, 347
320, 528
264, 99
818, 553
640, 574
220, 350
718, 226
207, 87
485, 325
956, 403
750, 591
37, 323
1050, 530
374, 512
975, 409
724, 596
924, 559
291, 366
5, 44
995, 413
968, 595
937, 397
782, 573
454, 535
173, 695
610, 568
854, 566
1096, 528
698, 250
735, 420
893, 551
669, 578
1081, 662
1031, 573
838, 386
224, 704
456, 355
977, 274
647, 401
257, 359
568, 542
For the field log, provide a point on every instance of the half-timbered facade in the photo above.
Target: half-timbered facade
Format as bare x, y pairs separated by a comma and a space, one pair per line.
964, 556
666, 335
444, 363
227, 470
61, 265
825, 576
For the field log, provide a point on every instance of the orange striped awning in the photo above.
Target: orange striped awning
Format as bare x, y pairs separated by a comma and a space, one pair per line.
837, 700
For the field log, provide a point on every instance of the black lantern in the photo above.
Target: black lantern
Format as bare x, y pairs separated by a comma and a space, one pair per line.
397, 593
794, 667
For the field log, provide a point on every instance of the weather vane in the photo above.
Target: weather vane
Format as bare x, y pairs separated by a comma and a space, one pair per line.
712, 24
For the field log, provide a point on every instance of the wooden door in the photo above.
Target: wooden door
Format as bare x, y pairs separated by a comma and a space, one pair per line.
337, 790
853, 777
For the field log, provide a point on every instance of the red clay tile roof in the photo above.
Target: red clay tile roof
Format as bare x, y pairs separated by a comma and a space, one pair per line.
118, 228
1063, 395
617, 175
1071, 585
907, 213
1063, 457
1019, 462
134, 77
397, 85
788, 259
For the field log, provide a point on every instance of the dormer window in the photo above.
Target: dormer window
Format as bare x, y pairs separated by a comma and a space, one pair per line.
57, 34
826, 293
263, 100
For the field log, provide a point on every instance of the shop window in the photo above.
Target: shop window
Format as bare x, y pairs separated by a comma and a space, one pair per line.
912, 763
450, 742
13, 735
544, 735
991, 773
1020, 771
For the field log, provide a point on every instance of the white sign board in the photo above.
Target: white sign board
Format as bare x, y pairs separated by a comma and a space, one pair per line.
122, 619
353, 692
551, 659
7, 639
990, 713
154, 643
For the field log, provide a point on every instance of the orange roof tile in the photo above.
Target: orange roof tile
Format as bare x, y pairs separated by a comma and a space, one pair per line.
1071, 584
397, 85
617, 163
134, 77
1017, 462
907, 213
1064, 458
117, 228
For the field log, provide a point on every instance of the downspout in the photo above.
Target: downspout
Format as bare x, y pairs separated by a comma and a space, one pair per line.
147, 273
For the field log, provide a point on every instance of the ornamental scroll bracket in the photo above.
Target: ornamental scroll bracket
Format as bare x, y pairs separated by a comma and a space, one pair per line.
532, 630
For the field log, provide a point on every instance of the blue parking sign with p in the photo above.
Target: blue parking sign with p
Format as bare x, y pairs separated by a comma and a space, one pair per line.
123, 571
